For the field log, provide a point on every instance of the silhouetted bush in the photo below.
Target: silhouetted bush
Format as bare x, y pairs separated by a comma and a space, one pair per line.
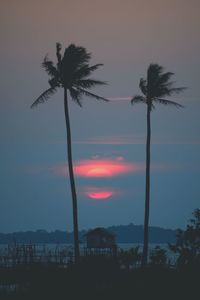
158, 257
130, 258
187, 245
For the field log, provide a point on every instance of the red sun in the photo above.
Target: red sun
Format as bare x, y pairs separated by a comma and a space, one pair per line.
99, 171
103, 168
99, 195
94, 168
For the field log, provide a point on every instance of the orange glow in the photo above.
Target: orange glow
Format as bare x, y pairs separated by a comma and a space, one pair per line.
99, 172
99, 195
99, 168
104, 168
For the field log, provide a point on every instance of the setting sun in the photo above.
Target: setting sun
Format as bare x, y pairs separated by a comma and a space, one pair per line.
99, 172
104, 168
99, 195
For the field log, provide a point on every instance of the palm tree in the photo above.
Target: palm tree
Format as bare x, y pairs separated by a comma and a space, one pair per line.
154, 88
71, 72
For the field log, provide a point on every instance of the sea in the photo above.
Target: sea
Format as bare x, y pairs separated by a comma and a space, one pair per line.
61, 246
55, 248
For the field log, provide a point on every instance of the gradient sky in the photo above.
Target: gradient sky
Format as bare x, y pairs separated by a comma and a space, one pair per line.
108, 138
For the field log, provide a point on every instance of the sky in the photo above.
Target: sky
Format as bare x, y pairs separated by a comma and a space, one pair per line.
108, 138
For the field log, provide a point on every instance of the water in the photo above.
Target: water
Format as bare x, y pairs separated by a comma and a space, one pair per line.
67, 249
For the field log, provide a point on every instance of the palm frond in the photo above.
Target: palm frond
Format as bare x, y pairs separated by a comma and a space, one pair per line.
143, 86
80, 53
159, 84
54, 82
138, 99
88, 83
58, 52
168, 102
85, 70
167, 90
76, 96
88, 94
73, 60
153, 74
94, 67
75, 56
44, 96
154, 70
177, 90
164, 78
49, 67
71, 72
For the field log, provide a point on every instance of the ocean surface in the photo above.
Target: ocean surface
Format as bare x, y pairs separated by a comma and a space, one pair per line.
68, 248
55, 247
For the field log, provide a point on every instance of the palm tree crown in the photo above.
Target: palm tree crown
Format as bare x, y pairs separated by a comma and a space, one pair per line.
157, 86
71, 72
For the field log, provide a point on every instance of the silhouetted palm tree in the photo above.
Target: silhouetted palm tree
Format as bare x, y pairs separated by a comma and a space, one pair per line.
155, 88
71, 73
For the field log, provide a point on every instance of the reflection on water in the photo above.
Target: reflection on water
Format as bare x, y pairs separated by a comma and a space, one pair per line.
99, 193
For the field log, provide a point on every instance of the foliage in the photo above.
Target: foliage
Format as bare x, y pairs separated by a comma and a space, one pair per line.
156, 87
187, 245
101, 280
71, 72
158, 256
131, 257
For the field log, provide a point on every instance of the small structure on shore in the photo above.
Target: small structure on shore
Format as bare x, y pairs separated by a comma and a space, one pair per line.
100, 241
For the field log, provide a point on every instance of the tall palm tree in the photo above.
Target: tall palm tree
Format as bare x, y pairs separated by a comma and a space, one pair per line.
71, 72
154, 88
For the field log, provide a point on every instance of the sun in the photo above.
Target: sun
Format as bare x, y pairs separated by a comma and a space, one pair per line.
99, 172
104, 167
99, 195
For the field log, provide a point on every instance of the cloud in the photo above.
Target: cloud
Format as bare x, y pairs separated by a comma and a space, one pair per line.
98, 167
176, 99
120, 98
131, 139
113, 140
120, 158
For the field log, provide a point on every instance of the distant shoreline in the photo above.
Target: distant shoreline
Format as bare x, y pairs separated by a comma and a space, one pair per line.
123, 233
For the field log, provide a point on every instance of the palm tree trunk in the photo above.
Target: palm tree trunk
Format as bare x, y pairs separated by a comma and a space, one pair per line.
147, 190
72, 181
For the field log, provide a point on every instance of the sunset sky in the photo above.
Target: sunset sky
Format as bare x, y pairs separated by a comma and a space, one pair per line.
108, 138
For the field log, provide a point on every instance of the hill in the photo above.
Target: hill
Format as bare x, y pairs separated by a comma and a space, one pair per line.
124, 234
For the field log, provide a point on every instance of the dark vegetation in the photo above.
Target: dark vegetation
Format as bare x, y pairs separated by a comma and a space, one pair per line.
106, 277
124, 234
100, 279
